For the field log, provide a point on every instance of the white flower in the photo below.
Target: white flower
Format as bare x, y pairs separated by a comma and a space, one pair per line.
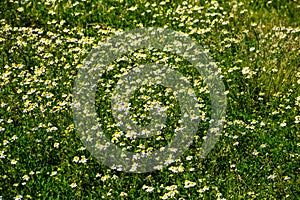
272, 176
123, 194
165, 196
2, 155
283, 124
245, 70
255, 152
262, 146
262, 124
53, 173
18, 197
13, 162
5, 142
14, 137
192, 169
20, 9
76, 159
83, 159
133, 8
26, 177
104, 178
205, 188
188, 184
297, 119
56, 145
149, 189
173, 169
170, 188
73, 185
189, 158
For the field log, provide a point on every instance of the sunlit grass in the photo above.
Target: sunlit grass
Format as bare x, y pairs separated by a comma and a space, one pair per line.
255, 44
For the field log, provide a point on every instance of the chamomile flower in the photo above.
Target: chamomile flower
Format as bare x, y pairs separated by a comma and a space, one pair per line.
18, 197
73, 185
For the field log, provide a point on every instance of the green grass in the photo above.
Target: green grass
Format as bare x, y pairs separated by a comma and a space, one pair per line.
254, 43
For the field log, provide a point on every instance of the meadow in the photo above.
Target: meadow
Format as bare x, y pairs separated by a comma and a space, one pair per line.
256, 46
